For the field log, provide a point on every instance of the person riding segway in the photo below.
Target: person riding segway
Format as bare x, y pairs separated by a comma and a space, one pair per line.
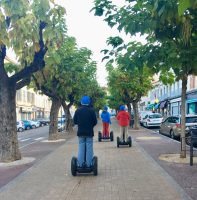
123, 118
85, 118
105, 135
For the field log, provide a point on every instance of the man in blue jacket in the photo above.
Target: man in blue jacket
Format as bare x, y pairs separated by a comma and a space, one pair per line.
85, 118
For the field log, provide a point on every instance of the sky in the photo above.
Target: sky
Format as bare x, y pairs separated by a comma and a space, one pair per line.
90, 31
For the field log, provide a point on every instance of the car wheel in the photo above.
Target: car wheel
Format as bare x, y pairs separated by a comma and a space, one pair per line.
172, 134
188, 140
146, 125
33, 126
28, 127
20, 129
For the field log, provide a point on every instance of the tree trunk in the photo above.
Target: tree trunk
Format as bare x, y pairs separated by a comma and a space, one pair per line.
53, 126
97, 113
129, 108
69, 120
136, 115
9, 149
183, 100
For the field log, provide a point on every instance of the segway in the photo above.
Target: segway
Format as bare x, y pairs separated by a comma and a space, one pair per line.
124, 142
103, 137
84, 169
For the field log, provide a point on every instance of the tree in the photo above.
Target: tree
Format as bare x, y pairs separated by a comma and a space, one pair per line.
68, 74
129, 87
29, 28
171, 32
133, 76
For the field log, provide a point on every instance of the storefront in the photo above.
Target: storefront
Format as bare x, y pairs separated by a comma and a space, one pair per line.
25, 113
192, 103
164, 107
175, 107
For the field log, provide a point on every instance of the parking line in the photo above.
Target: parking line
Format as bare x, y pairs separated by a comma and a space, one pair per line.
25, 139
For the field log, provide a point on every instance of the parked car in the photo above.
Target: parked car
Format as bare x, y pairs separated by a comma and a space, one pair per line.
188, 135
152, 120
43, 121
27, 124
113, 113
172, 126
34, 124
20, 126
142, 115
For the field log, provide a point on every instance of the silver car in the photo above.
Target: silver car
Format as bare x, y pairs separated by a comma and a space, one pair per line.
172, 125
20, 126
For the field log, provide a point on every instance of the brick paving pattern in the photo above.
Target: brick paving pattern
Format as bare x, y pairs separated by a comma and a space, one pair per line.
123, 174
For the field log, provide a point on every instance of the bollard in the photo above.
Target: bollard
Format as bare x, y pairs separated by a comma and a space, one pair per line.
193, 132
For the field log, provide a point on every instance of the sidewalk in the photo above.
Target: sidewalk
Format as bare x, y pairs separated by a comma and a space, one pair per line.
123, 174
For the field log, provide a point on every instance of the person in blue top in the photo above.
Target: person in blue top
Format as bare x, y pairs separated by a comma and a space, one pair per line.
105, 116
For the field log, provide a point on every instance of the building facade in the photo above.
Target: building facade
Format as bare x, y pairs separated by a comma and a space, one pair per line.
166, 99
31, 105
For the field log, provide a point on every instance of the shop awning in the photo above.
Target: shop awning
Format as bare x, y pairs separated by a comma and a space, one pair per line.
163, 104
149, 106
192, 101
157, 105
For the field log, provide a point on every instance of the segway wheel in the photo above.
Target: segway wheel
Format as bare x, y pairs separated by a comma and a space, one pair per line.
118, 141
111, 136
129, 141
95, 165
74, 166
99, 136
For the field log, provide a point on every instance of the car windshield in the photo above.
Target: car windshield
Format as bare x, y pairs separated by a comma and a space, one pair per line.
155, 116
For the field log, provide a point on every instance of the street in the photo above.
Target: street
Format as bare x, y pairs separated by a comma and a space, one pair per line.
32, 136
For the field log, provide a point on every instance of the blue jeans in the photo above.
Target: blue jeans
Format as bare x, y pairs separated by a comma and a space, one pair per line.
88, 143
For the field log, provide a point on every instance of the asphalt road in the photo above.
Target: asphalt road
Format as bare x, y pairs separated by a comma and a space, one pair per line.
32, 136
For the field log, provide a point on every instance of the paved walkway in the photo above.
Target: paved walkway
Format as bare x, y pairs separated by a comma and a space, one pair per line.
123, 174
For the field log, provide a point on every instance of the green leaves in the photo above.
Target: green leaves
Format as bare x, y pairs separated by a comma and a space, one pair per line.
183, 5
20, 24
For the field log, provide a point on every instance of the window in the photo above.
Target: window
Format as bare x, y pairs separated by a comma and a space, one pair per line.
19, 95
192, 108
155, 116
191, 119
174, 120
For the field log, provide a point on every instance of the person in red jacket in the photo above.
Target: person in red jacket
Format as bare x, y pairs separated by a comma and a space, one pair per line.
123, 118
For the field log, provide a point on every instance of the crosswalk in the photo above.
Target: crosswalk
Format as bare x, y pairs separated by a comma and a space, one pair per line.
31, 139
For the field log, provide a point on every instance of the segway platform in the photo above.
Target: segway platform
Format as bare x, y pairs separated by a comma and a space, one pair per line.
124, 143
84, 169
101, 137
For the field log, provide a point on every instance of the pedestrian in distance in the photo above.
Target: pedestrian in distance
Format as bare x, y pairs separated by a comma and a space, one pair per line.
105, 116
123, 118
85, 118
